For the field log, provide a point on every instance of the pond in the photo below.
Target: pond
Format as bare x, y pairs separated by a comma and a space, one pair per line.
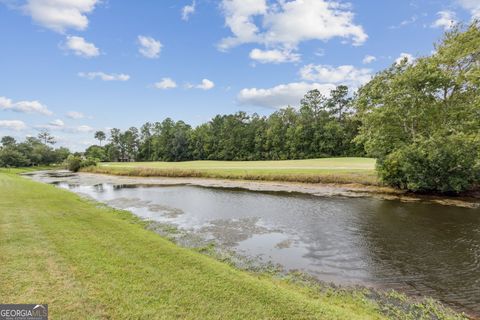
418, 248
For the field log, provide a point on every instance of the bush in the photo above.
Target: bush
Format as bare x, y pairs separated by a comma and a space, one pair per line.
438, 164
89, 162
9, 157
73, 163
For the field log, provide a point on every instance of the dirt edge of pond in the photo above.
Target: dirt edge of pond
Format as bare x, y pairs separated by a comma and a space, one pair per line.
315, 189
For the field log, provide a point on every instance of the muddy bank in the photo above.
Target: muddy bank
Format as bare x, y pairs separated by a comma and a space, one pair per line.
322, 190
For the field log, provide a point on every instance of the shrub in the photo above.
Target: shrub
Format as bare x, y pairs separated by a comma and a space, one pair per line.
438, 164
89, 162
9, 157
73, 163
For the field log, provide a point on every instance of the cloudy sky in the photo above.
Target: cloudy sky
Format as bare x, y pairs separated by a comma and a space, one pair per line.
75, 66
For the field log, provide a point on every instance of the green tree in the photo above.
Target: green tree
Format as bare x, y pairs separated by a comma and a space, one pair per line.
339, 102
10, 157
61, 154
100, 136
96, 152
406, 105
46, 137
8, 141
145, 148
447, 164
114, 147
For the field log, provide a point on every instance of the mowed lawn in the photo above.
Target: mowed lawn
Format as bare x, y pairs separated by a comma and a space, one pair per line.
88, 261
330, 170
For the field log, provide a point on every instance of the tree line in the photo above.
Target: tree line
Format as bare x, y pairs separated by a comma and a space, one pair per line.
34, 151
321, 127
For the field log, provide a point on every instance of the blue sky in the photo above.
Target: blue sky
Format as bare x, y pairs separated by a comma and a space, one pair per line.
75, 66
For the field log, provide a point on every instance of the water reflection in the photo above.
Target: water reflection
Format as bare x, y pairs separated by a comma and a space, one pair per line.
423, 249
434, 250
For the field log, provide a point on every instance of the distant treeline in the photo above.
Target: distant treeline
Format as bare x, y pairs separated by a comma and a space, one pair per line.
321, 127
31, 152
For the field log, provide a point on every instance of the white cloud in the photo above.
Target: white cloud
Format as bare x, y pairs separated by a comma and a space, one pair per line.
321, 77
187, 11
104, 76
471, 5
274, 56
282, 95
149, 47
60, 15
31, 107
410, 58
75, 115
80, 47
84, 128
446, 20
53, 125
369, 59
24, 106
5, 103
204, 85
346, 74
75, 142
302, 20
165, 83
287, 23
239, 18
16, 125
57, 123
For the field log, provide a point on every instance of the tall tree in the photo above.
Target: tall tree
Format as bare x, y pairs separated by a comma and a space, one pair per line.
8, 141
100, 136
46, 137
339, 101
145, 148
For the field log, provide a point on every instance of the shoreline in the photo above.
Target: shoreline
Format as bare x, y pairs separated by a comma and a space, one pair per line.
352, 190
107, 262
384, 296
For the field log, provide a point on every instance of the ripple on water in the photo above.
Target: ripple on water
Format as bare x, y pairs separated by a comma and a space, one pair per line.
420, 248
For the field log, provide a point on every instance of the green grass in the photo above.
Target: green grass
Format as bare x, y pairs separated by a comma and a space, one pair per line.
327, 170
90, 261
28, 169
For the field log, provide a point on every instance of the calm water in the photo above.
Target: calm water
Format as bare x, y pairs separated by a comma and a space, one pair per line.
425, 249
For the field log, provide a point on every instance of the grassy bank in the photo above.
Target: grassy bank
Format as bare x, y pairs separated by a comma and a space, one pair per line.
90, 261
327, 170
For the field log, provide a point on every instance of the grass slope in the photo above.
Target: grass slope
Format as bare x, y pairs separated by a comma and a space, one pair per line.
327, 170
90, 261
